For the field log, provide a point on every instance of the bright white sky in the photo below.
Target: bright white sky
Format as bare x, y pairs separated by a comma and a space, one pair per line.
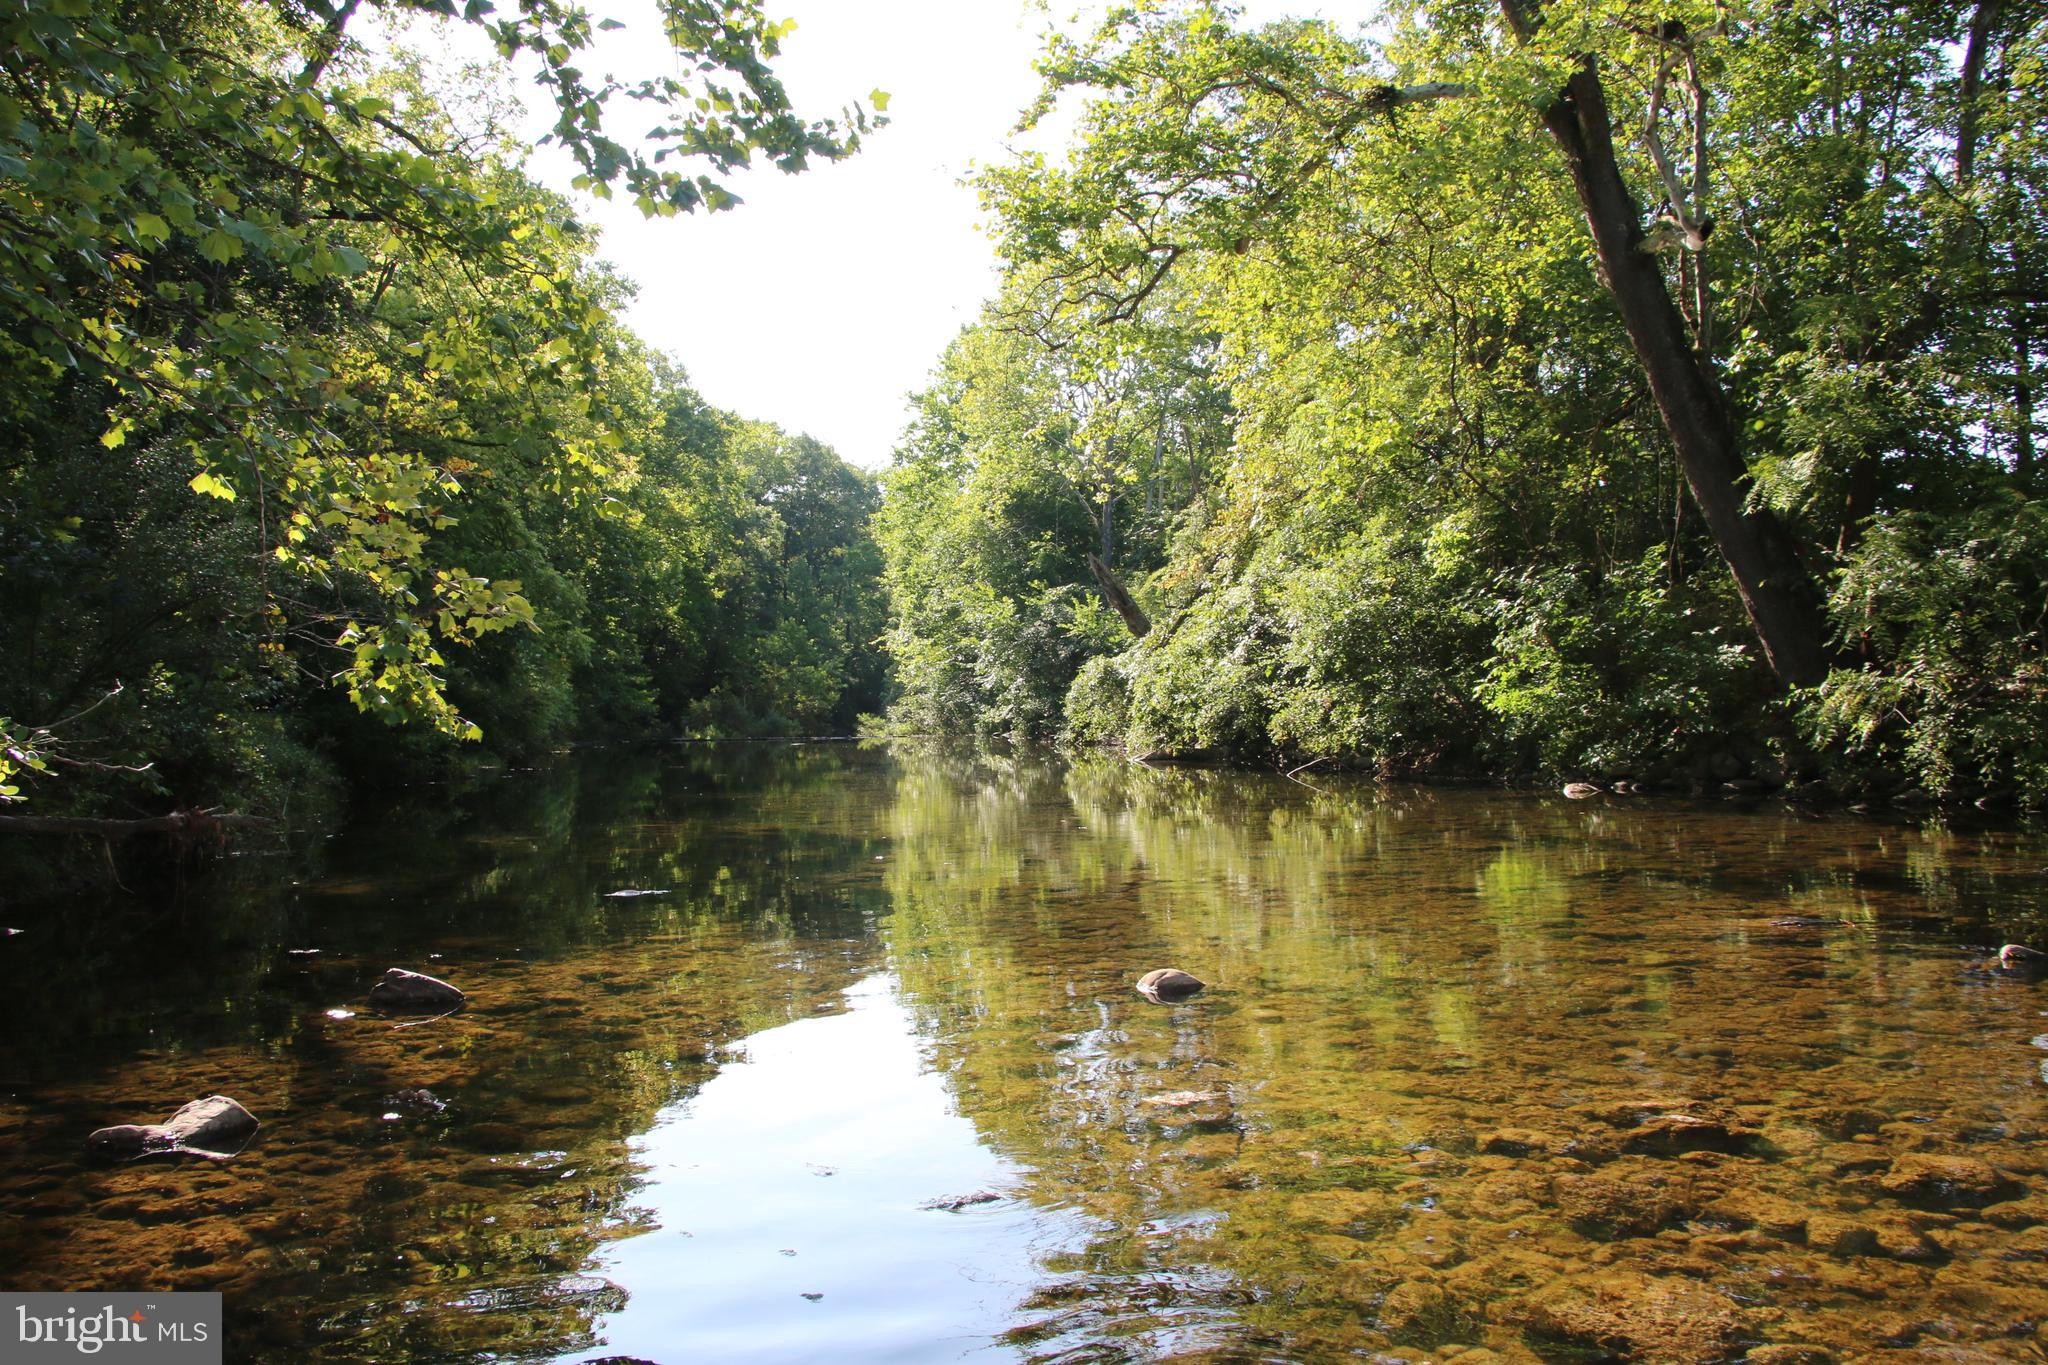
826, 298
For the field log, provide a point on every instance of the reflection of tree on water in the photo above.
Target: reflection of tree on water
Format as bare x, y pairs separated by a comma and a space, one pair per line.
449, 1233
1394, 975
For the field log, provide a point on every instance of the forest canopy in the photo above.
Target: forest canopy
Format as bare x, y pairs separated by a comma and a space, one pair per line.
319, 414
1589, 388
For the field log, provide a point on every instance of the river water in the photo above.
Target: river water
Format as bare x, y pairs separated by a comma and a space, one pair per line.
1477, 1076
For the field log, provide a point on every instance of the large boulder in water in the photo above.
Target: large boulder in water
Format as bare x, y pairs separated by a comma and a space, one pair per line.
215, 1127
1168, 984
403, 992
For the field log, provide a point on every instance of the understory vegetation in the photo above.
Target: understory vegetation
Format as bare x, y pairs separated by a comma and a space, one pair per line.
1594, 389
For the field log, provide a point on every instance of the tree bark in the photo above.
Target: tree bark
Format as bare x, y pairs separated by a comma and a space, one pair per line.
1119, 597
1783, 605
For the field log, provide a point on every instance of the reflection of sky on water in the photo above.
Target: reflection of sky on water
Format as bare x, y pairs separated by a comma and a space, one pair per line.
825, 1138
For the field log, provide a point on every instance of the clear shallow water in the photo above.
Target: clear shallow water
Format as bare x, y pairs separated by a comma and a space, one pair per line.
1477, 1076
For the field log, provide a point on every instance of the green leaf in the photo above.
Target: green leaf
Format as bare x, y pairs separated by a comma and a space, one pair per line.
205, 482
219, 247
880, 99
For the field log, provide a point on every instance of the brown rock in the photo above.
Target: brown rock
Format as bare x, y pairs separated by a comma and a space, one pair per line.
1168, 984
1605, 1206
215, 1127
1773, 1217
1946, 1181
1786, 1353
1352, 1211
1671, 1134
1520, 1142
1185, 1099
1832, 1235
2019, 1213
1645, 1319
403, 992
1418, 1312
1903, 1239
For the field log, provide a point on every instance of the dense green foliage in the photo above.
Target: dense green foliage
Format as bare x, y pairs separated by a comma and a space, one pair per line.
1443, 499
317, 415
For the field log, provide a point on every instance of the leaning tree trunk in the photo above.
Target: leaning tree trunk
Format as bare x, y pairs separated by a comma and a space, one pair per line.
1119, 597
1784, 607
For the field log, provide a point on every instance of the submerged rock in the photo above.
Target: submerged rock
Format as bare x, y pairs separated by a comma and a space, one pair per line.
215, 1127
1946, 1181
1607, 1207
403, 992
954, 1203
1637, 1317
2016, 959
1168, 984
1520, 1142
1672, 1134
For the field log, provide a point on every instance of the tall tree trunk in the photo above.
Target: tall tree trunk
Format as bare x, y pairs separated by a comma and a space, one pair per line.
1784, 607
1982, 25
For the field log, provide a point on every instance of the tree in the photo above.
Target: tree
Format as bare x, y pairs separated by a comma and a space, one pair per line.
1207, 143
232, 243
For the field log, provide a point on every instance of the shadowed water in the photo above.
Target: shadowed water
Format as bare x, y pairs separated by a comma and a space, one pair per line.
1477, 1076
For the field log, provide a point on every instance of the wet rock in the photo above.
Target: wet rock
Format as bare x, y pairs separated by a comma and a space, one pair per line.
416, 1101
403, 992
1357, 1212
215, 1127
1832, 1235
1788, 1353
2016, 959
1168, 984
1903, 1239
1848, 1158
1779, 1219
1419, 1312
1521, 1142
2019, 1213
1607, 1207
1946, 1181
1671, 1134
1580, 791
1186, 1099
1654, 1321
957, 1202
